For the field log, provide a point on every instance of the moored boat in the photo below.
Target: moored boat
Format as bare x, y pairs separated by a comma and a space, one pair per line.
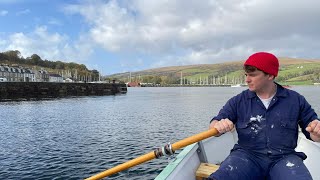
185, 166
236, 85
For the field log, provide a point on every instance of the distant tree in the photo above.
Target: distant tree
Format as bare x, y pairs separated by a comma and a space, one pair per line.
164, 79
71, 65
59, 65
14, 56
34, 59
156, 79
82, 67
3, 57
45, 63
95, 74
147, 79
173, 79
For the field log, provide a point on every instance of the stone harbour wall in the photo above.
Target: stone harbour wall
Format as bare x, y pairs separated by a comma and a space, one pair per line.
47, 90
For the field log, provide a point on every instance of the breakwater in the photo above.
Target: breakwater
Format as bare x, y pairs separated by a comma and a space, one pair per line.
47, 90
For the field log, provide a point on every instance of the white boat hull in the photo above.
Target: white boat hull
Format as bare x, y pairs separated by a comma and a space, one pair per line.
216, 149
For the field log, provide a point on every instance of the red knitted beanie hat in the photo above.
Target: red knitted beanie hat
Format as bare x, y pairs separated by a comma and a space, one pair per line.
264, 61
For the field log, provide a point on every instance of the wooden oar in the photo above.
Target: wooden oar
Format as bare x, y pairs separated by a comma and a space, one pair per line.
156, 154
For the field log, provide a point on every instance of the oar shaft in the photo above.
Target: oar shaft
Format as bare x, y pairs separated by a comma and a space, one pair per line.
195, 138
124, 166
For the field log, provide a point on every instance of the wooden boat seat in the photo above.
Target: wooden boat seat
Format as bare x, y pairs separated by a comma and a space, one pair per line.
205, 170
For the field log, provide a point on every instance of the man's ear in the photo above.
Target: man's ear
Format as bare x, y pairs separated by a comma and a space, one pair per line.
271, 77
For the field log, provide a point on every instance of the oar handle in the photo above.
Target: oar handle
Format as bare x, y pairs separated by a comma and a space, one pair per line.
152, 155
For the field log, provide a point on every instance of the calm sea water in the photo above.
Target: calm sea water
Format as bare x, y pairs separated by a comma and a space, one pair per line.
76, 138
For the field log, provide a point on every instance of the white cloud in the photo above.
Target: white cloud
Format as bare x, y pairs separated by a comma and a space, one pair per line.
3, 13
54, 21
2, 42
206, 31
23, 12
51, 46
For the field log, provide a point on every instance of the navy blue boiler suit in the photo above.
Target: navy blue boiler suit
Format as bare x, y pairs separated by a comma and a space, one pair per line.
266, 137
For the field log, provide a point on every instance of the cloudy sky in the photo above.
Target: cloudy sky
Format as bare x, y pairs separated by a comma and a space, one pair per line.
130, 35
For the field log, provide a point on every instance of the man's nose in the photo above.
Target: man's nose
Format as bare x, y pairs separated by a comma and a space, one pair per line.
248, 79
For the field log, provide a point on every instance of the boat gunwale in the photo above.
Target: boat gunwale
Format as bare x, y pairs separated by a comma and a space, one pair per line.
170, 168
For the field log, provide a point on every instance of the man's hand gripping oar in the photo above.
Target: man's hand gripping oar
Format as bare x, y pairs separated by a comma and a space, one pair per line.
223, 126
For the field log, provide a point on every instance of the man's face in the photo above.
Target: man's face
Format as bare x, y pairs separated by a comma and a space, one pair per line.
257, 80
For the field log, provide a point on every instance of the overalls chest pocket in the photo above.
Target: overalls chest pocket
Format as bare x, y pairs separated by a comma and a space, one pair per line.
248, 132
286, 134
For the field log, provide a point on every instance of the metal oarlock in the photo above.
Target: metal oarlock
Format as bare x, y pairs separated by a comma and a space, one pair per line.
166, 150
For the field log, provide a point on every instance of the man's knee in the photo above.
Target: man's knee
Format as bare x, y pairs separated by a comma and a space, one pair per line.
238, 165
290, 167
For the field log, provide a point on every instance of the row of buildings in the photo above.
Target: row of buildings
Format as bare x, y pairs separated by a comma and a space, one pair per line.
21, 74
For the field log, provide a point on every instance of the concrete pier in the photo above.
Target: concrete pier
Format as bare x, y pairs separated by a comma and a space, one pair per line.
10, 91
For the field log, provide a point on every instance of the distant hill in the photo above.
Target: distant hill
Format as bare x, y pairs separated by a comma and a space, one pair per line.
292, 71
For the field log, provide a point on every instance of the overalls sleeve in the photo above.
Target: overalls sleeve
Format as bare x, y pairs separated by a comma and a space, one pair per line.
228, 111
307, 114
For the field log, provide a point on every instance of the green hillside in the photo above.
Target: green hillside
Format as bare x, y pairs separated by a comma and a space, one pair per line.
292, 71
